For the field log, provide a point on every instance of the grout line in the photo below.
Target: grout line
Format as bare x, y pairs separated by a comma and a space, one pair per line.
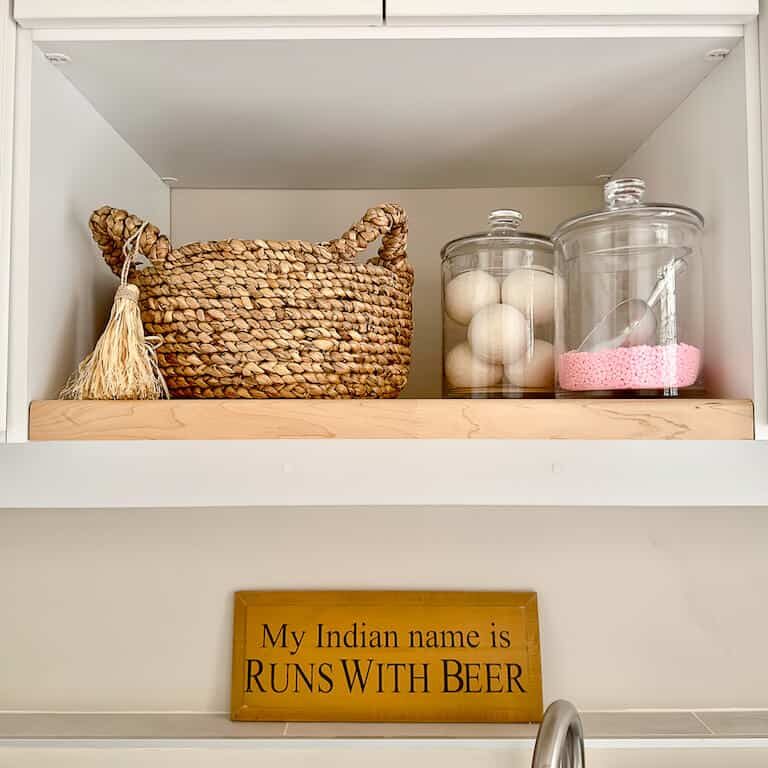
670, 710
696, 715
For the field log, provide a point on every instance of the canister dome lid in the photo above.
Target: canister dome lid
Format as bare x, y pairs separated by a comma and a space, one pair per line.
503, 232
624, 198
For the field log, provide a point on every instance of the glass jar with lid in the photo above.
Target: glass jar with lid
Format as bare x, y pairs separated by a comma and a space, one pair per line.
630, 315
498, 312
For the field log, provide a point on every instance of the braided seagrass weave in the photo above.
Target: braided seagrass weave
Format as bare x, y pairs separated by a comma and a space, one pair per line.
261, 318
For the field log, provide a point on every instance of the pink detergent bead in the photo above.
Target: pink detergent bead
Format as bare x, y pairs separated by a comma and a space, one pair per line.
642, 367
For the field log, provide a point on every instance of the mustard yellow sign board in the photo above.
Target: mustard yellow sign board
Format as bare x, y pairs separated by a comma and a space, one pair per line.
386, 656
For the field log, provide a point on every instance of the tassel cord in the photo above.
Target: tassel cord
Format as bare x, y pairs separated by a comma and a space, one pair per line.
131, 252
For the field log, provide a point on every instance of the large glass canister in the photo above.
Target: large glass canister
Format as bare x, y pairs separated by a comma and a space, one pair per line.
498, 312
630, 309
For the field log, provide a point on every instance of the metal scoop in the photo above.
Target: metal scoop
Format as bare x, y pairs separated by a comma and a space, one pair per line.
634, 317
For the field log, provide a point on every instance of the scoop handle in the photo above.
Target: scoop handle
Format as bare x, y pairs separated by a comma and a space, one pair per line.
678, 264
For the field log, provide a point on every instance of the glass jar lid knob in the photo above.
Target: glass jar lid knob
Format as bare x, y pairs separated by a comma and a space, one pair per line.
506, 219
624, 193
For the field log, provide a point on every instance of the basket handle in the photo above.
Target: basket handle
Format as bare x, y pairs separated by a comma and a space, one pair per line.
387, 221
112, 228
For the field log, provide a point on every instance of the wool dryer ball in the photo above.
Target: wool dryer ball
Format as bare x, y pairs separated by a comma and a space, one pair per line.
498, 334
469, 292
536, 370
532, 291
463, 369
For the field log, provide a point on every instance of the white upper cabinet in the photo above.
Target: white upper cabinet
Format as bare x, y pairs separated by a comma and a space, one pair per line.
568, 11
106, 13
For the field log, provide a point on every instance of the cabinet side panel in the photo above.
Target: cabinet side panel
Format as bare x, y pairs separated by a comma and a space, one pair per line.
78, 164
756, 162
7, 75
18, 298
760, 289
698, 157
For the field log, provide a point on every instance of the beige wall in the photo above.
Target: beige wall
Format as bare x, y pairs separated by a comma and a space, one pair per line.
130, 610
435, 216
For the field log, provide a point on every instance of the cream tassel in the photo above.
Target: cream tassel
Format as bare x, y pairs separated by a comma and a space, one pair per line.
123, 364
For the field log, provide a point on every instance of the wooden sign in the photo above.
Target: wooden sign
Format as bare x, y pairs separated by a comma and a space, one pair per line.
386, 656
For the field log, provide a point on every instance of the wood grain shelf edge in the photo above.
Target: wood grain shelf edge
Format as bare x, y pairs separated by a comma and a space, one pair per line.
404, 419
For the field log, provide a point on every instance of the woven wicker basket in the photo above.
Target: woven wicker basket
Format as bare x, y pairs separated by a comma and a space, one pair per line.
256, 318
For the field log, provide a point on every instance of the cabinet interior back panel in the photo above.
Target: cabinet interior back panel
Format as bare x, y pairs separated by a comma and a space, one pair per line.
434, 217
387, 113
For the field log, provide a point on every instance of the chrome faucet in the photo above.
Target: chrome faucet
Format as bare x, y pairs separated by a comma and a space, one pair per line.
560, 740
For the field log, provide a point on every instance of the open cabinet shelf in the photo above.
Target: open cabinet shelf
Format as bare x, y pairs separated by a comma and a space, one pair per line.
288, 133
597, 419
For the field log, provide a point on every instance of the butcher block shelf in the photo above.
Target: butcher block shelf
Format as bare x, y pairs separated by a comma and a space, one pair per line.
568, 419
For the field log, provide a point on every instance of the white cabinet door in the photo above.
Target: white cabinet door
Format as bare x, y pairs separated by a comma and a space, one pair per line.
94, 13
568, 11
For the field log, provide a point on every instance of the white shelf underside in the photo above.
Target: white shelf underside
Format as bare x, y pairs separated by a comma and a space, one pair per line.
390, 112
